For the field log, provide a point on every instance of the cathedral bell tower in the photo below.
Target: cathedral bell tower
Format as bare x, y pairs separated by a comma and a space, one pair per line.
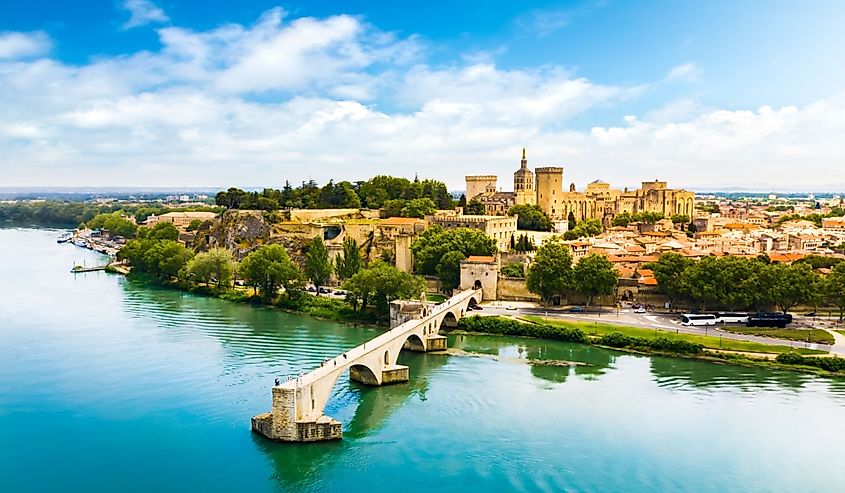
523, 183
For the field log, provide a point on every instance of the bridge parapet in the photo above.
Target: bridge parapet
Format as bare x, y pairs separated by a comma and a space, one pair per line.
297, 405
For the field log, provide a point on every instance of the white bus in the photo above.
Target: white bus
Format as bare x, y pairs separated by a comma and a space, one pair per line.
732, 318
698, 319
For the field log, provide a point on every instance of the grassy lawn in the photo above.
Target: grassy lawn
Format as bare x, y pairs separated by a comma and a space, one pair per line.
435, 298
815, 335
600, 328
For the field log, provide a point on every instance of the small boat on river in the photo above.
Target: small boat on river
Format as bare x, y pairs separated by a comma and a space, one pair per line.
64, 238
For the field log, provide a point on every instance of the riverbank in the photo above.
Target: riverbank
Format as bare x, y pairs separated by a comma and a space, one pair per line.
648, 342
321, 308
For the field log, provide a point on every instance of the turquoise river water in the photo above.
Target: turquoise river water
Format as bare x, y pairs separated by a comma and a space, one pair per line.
108, 385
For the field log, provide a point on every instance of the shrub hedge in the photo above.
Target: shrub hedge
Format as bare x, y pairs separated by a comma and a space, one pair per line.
834, 364
663, 344
506, 326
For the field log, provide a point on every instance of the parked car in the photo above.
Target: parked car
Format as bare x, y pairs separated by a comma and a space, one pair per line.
324, 291
576, 309
312, 289
810, 314
340, 292
510, 308
640, 309
476, 307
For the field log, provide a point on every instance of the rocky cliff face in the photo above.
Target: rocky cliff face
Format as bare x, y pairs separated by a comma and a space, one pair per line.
243, 231
239, 231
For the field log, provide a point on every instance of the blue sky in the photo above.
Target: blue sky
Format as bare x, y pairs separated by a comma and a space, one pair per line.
184, 93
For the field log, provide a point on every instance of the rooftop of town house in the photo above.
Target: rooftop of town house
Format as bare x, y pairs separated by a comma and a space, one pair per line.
645, 272
648, 281
480, 259
191, 215
632, 258
634, 249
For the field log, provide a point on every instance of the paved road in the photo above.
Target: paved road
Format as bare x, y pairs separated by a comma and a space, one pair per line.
657, 321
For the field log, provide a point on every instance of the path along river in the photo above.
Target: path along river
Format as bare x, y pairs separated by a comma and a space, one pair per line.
109, 385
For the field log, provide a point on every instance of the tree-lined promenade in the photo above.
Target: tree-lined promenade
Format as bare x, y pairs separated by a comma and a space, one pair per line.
740, 283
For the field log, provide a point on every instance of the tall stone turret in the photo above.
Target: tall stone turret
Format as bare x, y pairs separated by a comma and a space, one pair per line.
523, 183
478, 184
549, 190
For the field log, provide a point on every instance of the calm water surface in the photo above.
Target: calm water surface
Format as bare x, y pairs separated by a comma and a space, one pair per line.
108, 385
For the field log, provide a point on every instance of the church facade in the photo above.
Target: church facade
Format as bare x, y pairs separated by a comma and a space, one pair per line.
544, 187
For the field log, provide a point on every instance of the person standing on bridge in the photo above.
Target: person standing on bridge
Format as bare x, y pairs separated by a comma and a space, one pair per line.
277, 381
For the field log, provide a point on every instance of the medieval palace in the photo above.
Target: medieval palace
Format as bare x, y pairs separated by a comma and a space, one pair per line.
544, 187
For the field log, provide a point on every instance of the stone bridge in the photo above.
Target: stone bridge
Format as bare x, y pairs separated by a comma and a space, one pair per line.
297, 412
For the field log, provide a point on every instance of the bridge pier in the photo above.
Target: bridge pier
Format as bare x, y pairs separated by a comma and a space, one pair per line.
436, 343
389, 374
281, 423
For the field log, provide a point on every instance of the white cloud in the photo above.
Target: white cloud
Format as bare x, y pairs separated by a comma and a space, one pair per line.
336, 98
688, 71
15, 45
143, 12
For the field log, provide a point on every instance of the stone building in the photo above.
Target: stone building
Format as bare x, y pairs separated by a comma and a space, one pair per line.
500, 228
544, 187
480, 184
480, 272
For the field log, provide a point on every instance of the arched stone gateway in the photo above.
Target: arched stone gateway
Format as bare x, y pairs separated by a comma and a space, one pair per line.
297, 405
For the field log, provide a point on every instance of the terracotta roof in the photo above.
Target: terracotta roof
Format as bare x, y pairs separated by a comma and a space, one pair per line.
635, 249
632, 258
648, 281
480, 259
645, 272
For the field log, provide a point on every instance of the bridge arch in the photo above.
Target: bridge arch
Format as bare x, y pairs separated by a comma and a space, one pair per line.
361, 372
450, 320
414, 343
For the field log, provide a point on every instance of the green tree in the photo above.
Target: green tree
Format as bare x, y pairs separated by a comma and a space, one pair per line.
622, 219
668, 271
680, 219
550, 274
160, 231
792, 284
380, 283
114, 224
215, 265
523, 244
163, 259
701, 282
514, 269
194, 225
449, 270
571, 220
418, 208
269, 268
474, 208
530, 217
585, 228
318, 265
594, 275
436, 241
349, 263
834, 287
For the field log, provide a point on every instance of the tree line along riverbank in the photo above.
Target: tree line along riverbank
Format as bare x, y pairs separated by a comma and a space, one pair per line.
646, 341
